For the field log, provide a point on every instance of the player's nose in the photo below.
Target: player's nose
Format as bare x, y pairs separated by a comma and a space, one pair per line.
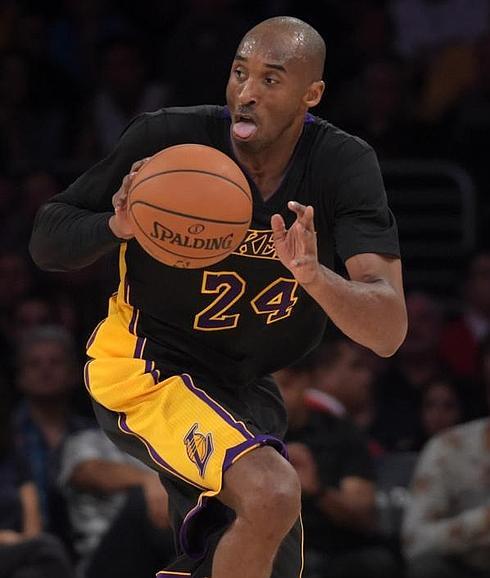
248, 93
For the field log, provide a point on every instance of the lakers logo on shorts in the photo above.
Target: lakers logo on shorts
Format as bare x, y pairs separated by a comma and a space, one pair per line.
199, 448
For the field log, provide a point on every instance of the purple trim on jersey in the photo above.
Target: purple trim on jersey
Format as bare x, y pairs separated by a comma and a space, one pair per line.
215, 406
126, 289
260, 440
154, 454
132, 323
138, 350
168, 574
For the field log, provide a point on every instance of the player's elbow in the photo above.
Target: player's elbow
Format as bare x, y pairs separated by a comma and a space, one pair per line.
43, 257
395, 336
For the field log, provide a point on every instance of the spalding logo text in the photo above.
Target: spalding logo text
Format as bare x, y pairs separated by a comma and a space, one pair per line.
209, 243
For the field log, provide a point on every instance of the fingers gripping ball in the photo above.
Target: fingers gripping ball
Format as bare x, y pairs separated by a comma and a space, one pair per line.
190, 205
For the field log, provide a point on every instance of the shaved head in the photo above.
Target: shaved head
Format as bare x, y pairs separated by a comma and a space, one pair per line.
286, 38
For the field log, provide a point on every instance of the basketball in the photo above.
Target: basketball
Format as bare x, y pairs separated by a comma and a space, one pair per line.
190, 206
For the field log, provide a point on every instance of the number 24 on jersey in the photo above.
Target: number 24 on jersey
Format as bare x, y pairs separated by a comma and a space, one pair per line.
274, 302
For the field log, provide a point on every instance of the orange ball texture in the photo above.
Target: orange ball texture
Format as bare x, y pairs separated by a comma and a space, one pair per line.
190, 206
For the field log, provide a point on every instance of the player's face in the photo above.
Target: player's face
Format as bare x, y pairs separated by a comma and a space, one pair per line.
267, 94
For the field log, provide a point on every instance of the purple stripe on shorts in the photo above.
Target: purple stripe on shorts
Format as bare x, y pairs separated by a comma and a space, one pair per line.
149, 368
126, 429
132, 323
260, 440
94, 335
126, 289
138, 350
156, 375
231, 454
184, 542
86, 376
215, 406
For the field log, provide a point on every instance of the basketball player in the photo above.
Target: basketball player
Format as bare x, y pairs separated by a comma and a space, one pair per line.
178, 371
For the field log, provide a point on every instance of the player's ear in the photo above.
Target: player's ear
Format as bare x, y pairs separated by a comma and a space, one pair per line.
314, 93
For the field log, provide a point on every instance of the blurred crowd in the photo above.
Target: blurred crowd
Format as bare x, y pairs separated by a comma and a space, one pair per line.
393, 454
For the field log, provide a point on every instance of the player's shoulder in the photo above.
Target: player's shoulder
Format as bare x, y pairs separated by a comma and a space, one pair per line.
331, 141
185, 115
186, 123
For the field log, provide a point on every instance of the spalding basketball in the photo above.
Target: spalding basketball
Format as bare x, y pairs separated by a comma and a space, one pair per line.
190, 206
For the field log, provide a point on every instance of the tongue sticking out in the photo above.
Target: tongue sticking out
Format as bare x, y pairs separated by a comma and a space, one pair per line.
244, 129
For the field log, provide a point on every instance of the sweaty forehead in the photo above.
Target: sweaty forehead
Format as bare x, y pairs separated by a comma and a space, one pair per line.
278, 48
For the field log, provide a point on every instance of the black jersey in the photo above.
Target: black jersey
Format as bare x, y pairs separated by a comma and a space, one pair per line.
246, 315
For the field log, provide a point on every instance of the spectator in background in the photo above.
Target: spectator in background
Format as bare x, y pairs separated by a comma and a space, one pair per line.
15, 284
33, 310
375, 106
36, 188
471, 128
47, 372
333, 464
200, 32
98, 480
125, 91
426, 25
483, 381
77, 29
442, 407
31, 131
11, 222
462, 335
447, 525
437, 39
341, 381
25, 552
398, 391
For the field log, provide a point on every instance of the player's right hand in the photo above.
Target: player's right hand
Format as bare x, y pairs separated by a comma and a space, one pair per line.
120, 223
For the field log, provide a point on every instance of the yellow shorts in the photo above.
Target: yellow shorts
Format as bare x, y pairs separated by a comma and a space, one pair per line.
187, 429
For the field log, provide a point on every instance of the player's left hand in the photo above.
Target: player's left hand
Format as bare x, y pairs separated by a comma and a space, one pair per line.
297, 247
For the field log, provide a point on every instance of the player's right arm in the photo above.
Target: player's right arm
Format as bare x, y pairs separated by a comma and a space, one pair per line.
89, 218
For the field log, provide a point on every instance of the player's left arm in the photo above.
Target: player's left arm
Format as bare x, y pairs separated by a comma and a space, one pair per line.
369, 307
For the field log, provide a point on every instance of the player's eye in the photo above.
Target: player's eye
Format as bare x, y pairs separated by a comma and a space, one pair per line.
239, 74
271, 80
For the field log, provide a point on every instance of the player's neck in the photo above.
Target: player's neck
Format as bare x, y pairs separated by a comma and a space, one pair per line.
267, 166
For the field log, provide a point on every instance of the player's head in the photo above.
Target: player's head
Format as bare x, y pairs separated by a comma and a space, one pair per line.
276, 76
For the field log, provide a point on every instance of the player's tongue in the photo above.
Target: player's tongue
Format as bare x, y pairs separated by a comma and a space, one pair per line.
244, 128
